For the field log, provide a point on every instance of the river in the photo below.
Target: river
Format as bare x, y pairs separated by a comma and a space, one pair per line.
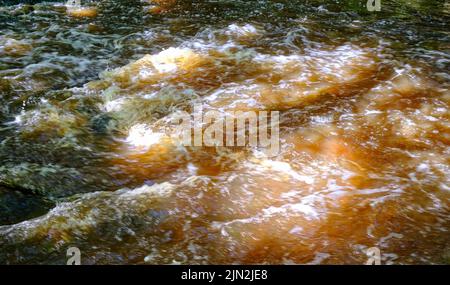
88, 95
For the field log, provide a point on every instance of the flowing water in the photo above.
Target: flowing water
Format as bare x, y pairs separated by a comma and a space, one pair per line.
88, 95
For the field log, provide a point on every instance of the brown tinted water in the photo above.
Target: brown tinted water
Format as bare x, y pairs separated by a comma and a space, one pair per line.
87, 158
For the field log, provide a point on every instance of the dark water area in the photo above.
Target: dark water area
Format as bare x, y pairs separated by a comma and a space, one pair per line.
87, 156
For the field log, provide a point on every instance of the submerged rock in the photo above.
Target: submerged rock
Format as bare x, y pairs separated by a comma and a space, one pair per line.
161, 6
17, 206
116, 216
183, 64
52, 181
81, 12
345, 71
13, 47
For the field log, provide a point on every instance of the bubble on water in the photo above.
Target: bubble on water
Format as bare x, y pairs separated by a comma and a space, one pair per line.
243, 32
